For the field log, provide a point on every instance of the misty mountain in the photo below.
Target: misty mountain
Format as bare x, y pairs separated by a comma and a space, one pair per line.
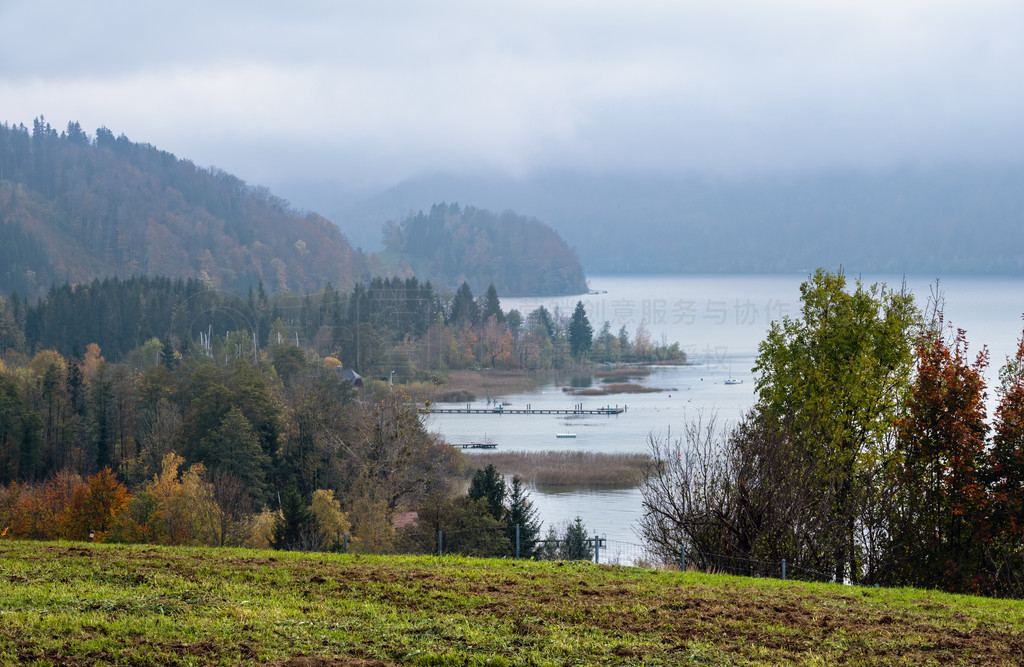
74, 208
953, 219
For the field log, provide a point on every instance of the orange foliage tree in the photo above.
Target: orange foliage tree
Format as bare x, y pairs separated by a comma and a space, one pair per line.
942, 442
1005, 478
96, 506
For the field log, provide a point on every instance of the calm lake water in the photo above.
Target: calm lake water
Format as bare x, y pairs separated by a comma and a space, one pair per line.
719, 321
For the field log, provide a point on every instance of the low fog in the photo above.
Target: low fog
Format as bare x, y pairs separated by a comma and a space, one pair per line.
356, 98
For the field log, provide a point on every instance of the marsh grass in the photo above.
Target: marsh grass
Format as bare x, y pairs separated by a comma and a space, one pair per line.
467, 386
614, 388
70, 604
624, 373
563, 471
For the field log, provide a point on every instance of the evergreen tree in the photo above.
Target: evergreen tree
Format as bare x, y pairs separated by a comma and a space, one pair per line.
491, 305
522, 513
464, 307
548, 549
576, 545
294, 525
168, 354
235, 447
581, 334
489, 484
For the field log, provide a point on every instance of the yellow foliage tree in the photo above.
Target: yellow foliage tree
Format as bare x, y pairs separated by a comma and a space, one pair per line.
331, 523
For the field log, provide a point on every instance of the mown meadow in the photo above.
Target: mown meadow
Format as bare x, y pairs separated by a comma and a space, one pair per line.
83, 604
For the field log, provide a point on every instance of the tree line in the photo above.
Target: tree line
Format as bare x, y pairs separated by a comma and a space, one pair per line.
387, 324
222, 419
868, 456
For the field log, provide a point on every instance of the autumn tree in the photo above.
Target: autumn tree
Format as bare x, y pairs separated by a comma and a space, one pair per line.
497, 342
389, 456
1004, 476
331, 524
942, 443
97, 505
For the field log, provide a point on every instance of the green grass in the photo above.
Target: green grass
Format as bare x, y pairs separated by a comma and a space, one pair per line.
78, 604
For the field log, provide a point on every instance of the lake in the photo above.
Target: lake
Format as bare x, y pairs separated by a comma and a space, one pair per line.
719, 321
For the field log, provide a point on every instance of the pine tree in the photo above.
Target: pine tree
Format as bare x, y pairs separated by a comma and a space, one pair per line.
491, 305
581, 334
293, 526
464, 307
522, 513
489, 484
576, 545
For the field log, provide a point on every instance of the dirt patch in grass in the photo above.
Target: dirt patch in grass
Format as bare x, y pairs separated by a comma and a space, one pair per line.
337, 661
792, 625
247, 607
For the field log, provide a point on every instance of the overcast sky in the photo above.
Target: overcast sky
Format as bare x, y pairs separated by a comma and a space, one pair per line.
368, 93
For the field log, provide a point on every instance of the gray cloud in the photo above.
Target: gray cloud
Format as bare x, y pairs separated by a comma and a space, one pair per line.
368, 93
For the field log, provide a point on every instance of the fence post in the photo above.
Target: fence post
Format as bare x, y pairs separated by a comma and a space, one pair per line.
346, 544
682, 557
517, 541
440, 543
597, 549
783, 569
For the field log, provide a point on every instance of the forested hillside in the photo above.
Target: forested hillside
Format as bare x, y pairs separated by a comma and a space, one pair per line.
74, 207
451, 245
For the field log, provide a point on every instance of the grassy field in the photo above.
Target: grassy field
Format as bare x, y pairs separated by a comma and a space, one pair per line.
81, 604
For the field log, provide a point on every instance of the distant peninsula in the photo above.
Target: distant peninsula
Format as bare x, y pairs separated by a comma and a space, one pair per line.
450, 245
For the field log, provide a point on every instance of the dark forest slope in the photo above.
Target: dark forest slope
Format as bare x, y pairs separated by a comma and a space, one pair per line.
73, 209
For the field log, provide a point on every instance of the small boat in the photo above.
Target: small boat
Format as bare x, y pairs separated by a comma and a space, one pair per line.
731, 379
565, 435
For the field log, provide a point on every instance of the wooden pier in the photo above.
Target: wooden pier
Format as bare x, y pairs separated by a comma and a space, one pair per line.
523, 411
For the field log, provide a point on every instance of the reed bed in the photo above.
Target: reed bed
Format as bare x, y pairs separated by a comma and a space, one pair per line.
467, 386
614, 388
563, 471
621, 373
